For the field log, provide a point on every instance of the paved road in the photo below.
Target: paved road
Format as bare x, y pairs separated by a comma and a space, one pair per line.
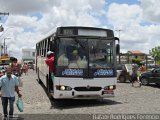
128, 100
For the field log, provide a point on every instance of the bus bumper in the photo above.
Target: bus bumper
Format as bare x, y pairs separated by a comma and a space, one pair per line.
83, 95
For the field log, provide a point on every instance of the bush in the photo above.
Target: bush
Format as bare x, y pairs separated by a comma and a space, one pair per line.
136, 61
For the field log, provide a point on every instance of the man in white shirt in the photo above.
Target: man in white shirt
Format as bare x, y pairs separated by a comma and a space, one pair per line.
8, 85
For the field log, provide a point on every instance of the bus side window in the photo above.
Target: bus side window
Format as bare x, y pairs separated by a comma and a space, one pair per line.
44, 48
52, 46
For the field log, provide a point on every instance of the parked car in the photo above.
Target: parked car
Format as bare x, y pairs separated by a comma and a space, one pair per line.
2, 70
151, 67
124, 72
152, 76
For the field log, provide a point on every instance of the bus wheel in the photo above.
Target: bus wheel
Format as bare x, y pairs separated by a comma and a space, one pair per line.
50, 96
39, 81
122, 79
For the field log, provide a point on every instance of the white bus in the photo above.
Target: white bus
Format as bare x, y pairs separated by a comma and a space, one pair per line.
85, 62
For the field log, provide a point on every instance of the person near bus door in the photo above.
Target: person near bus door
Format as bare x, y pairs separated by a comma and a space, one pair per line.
50, 62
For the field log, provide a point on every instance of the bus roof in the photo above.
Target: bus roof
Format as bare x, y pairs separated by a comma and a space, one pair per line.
57, 31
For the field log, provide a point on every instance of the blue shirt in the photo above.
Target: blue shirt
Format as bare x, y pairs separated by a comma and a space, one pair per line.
8, 85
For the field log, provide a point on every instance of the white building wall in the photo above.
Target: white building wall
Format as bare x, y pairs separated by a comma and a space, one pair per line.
28, 54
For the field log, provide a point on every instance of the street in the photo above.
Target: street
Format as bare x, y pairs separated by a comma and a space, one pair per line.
127, 100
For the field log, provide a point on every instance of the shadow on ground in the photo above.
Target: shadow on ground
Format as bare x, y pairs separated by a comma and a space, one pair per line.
76, 103
154, 85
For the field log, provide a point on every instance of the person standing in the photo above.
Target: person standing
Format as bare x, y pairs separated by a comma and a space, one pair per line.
25, 68
8, 85
134, 76
50, 63
142, 68
16, 68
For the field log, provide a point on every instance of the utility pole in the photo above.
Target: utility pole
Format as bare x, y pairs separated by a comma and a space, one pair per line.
3, 13
119, 31
4, 45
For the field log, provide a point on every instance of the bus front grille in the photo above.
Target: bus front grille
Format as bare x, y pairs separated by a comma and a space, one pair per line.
87, 88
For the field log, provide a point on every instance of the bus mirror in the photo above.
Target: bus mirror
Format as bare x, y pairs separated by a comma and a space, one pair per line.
116, 38
117, 49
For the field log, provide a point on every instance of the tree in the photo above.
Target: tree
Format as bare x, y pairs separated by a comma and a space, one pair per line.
136, 61
155, 52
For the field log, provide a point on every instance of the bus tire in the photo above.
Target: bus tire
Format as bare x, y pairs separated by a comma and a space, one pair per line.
50, 96
122, 79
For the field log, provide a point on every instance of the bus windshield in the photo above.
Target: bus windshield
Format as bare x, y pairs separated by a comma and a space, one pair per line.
100, 53
73, 53
81, 53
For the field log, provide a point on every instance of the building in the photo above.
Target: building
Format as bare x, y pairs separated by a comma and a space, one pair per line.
126, 58
28, 55
137, 54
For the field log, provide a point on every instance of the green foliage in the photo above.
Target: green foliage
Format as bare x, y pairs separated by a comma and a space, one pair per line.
136, 61
155, 52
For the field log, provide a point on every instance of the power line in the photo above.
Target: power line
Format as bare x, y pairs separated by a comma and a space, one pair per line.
4, 13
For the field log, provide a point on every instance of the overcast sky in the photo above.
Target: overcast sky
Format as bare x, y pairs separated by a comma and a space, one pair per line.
138, 20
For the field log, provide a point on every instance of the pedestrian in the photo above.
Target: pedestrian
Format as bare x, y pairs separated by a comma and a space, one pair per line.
25, 68
16, 68
142, 69
50, 63
8, 85
134, 76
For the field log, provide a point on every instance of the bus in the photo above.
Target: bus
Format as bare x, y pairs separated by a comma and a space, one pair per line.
85, 62
5, 60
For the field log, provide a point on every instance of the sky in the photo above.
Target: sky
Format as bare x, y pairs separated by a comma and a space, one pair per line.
29, 20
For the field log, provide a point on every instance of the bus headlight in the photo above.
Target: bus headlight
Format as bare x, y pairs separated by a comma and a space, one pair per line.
112, 87
62, 87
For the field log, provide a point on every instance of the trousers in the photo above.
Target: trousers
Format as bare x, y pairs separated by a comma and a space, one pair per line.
5, 101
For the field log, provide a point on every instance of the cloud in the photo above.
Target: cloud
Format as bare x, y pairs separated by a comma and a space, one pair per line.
32, 19
124, 15
26, 6
29, 27
21, 21
151, 10
135, 34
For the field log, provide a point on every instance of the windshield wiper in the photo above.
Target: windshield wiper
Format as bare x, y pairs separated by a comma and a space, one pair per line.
77, 41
